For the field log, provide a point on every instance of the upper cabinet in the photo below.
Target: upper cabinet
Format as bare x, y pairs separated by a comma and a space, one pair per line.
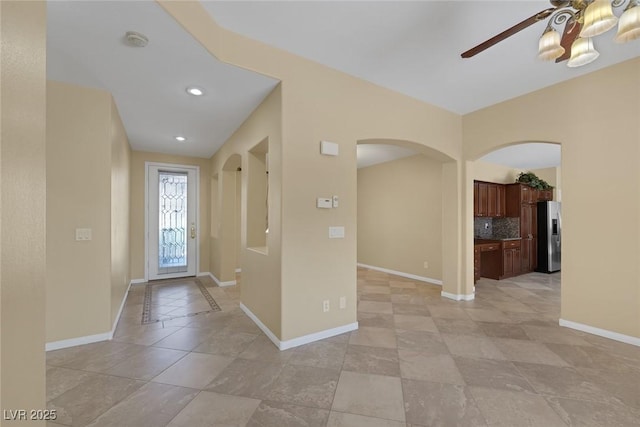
488, 199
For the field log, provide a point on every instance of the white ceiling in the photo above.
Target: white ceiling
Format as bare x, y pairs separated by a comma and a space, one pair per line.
373, 154
85, 46
414, 47
411, 47
533, 155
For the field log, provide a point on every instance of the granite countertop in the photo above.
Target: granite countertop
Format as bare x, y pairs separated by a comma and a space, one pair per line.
480, 240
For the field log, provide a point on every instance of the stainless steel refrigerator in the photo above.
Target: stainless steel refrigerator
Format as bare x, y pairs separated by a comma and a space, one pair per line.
549, 237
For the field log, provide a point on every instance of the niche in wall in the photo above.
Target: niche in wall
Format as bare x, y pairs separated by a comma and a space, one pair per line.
258, 197
214, 212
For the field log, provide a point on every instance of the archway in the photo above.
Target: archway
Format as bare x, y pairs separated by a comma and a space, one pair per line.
511, 247
408, 234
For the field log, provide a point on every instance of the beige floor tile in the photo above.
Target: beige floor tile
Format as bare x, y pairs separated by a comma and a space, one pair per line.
342, 419
375, 320
563, 382
447, 312
262, 348
147, 363
414, 323
95, 395
528, 351
60, 380
213, 409
458, 327
492, 373
374, 297
588, 357
411, 309
420, 340
556, 335
437, 404
321, 354
503, 330
185, 339
400, 297
593, 414
374, 337
372, 395
429, 366
285, 415
372, 360
152, 405
195, 370
96, 357
472, 346
376, 289
514, 408
486, 315
375, 307
305, 386
249, 378
143, 334
223, 343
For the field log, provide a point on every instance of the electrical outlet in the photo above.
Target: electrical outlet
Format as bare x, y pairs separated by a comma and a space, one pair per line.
486, 225
325, 305
426, 264
343, 302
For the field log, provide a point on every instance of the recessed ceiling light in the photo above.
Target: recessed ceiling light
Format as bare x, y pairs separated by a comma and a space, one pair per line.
195, 91
181, 138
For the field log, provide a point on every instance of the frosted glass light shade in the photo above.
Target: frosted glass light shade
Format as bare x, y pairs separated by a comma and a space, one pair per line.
598, 18
549, 47
629, 25
582, 52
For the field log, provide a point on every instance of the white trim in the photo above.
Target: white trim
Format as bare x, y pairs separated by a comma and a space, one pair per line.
458, 297
316, 336
72, 342
117, 319
195, 168
401, 274
600, 332
305, 339
137, 281
238, 270
218, 282
261, 325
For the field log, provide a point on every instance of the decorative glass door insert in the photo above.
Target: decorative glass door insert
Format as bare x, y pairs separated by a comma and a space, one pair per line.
172, 222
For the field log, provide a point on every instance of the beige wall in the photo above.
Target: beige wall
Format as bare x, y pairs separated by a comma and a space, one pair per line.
491, 172
87, 187
261, 280
319, 103
400, 216
137, 220
600, 154
120, 167
22, 206
553, 178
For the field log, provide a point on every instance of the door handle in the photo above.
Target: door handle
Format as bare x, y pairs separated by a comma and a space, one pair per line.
193, 231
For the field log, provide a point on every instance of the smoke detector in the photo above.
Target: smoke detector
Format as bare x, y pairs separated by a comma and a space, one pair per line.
136, 39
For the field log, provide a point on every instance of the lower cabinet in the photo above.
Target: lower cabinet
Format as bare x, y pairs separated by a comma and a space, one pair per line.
476, 264
511, 262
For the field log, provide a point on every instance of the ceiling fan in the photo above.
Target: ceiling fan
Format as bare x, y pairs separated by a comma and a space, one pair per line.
582, 20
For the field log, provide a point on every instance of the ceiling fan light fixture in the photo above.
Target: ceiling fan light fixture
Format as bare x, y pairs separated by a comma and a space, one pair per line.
582, 52
629, 24
598, 18
549, 47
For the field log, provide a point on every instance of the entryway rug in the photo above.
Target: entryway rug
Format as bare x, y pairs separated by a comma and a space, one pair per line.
173, 298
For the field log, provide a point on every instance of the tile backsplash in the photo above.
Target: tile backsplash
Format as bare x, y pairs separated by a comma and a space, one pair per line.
496, 228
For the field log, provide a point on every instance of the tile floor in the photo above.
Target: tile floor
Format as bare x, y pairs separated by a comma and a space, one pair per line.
417, 360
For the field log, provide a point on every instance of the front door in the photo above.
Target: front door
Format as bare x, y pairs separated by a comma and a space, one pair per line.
172, 232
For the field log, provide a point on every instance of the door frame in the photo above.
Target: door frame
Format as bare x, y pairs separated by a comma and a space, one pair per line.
177, 167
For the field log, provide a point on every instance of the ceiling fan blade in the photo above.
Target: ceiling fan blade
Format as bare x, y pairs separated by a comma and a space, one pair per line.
509, 32
571, 32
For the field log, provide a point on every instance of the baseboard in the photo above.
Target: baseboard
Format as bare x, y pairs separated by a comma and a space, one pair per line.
72, 342
260, 325
628, 339
458, 297
401, 274
90, 339
122, 303
316, 336
305, 339
215, 279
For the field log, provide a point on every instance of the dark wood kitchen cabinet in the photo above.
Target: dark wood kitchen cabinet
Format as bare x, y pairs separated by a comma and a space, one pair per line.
476, 264
521, 202
488, 199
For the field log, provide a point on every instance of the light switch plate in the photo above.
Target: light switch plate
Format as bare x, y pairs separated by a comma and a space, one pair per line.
324, 203
329, 148
336, 232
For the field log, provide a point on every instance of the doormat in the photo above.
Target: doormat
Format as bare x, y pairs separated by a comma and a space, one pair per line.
175, 298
